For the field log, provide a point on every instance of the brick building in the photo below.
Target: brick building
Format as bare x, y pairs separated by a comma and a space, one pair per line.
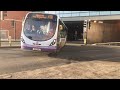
12, 24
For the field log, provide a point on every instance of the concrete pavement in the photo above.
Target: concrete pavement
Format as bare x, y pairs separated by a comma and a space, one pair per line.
5, 44
80, 62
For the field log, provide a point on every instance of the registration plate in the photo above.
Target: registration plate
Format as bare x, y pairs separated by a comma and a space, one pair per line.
37, 49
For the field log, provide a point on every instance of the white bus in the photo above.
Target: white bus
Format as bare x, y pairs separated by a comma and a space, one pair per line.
43, 32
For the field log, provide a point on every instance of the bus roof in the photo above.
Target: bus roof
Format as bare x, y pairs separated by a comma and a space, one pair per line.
42, 13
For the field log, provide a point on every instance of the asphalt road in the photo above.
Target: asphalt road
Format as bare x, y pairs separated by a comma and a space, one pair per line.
15, 59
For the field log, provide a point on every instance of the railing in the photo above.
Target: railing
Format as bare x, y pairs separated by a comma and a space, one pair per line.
85, 13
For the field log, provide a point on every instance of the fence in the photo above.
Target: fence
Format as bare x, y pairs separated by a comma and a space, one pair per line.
4, 35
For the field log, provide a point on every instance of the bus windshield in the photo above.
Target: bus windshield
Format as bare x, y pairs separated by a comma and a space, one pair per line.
40, 29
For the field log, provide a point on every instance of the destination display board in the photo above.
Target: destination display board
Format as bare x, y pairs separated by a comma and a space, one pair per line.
42, 16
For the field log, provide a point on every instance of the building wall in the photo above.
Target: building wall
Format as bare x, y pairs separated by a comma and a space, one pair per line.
104, 32
7, 25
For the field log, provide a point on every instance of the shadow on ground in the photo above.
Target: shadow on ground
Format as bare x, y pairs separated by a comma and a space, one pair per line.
88, 53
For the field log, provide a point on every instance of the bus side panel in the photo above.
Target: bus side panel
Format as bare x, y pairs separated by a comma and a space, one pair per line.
58, 40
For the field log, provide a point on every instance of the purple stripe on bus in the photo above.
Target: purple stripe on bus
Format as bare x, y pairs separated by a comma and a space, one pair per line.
51, 47
42, 48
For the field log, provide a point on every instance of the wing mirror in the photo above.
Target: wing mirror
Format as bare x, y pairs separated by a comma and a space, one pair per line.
60, 27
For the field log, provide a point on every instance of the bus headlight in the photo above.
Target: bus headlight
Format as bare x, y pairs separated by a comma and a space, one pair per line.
53, 42
22, 40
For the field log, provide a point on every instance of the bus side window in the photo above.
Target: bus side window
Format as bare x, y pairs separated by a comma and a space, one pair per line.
62, 30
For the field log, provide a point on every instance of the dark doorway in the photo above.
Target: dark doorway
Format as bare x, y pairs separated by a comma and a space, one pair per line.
75, 30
